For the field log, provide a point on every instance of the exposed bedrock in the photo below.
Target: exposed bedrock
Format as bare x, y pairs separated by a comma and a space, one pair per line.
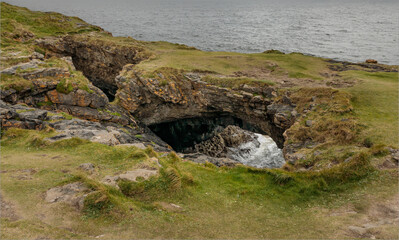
171, 95
178, 106
99, 60
110, 133
44, 89
161, 100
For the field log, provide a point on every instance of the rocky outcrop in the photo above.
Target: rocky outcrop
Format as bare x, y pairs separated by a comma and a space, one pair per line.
98, 58
179, 95
369, 65
371, 61
87, 167
60, 89
19, 116
231, 136
132, 176
73, 194
93, 131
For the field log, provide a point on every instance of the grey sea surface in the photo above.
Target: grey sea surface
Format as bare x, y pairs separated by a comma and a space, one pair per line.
351, 30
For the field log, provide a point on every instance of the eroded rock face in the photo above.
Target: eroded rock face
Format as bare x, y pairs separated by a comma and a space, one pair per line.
79, 97
42, 90
90, 104
97, 58
19, 116
184, 96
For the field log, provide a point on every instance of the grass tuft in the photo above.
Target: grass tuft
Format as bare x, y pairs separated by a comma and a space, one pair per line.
280, 177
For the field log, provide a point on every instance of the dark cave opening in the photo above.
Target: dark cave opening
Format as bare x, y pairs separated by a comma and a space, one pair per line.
183, 134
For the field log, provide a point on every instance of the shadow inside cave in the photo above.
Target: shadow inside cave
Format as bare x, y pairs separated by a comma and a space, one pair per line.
183, 134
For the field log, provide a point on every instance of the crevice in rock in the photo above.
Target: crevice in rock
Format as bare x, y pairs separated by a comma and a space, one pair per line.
99, 59
108, 87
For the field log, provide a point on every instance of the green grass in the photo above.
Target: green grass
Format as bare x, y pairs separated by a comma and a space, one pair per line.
375, 102
238, 202
39, 23
15, 82
64, 87
227, 63
228, 82
76, 81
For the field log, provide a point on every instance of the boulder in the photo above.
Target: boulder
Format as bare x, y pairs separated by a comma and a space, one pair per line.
79, 98
371, 61
133, 175
87, 167
360, 231
283, 115
395, 155
37, 55
72, 194
138, 173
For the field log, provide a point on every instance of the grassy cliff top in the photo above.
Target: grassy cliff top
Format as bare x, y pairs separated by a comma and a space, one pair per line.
21, 22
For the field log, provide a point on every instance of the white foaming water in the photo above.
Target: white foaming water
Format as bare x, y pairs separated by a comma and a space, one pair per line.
261, 152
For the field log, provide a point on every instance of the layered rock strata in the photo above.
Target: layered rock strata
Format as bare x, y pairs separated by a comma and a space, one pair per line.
99, 60
185, 95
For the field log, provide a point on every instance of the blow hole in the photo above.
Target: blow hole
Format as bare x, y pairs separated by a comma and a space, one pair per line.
183, 134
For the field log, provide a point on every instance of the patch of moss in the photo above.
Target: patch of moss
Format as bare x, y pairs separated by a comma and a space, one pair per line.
41, 104
14, 82
75, 81
86, 88
40, 50
64, 86
138, 154
66, 116
96, 204
14, 61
